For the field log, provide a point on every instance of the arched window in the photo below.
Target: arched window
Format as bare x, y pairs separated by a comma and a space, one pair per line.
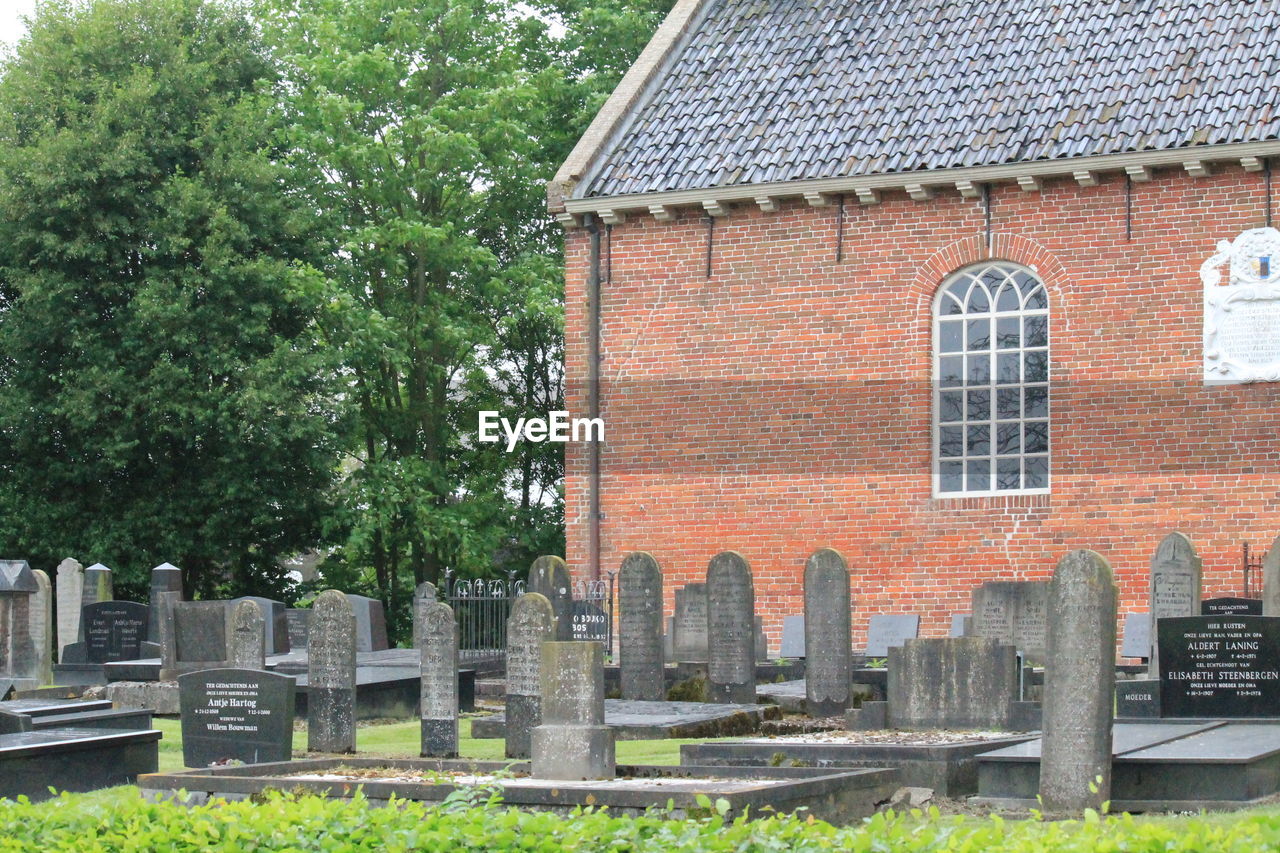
991, 381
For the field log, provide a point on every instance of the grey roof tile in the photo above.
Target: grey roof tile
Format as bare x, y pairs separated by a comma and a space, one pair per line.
775, 90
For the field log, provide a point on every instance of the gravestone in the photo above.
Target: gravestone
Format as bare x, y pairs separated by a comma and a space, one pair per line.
297, 619
331, 675
438, 634
640, 627
1138, 698
589, 623
549, 577
1174, 585
17, 650
1219, 666
165, 577
114, 631
827, 626
886, 630
572, 742
98, 585
1271, 580
371, 623
167, 603
275, 618
236, 714
1079, 685
669, 640
200, 633
761, 639
961, 625
531, 623
247, 639
792, 637
1137, 635
1231, 606
425, 591
1013, 612
690, 622
41, 627
70, 585
951, 683
731, 660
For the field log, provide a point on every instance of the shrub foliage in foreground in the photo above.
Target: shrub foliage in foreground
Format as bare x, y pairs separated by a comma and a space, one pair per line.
280, 822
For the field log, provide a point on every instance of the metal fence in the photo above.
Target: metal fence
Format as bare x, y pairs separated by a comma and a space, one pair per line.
481, 608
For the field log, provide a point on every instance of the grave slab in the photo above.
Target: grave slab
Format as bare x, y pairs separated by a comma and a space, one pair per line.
73, 759
639, 720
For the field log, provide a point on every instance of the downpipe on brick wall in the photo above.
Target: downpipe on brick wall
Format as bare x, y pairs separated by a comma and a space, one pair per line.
593, 393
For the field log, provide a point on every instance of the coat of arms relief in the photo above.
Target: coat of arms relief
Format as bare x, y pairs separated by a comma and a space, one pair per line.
1242, 313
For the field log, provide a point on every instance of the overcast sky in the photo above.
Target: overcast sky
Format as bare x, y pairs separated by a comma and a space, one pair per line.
10, 11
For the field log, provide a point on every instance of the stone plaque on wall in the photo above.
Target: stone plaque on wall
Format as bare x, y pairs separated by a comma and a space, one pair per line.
1242, 309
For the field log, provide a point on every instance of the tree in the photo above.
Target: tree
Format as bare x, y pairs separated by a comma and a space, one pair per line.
162, 391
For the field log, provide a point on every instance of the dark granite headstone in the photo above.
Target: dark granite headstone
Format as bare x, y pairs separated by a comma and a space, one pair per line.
549, 577
1138, 698
531, 623
371, 623
827, 623
960, 625
640, 627
792, 637
690, 622
1137, 635
165, 577
247, 639
438, 650
276, 619
1079, 685
951, 683
886, 630
240, 714
1219, 666
297, 619
1013, 612
1229, 606
1175, 584
731, 656
572, 741
115, 630
589, 623
331, 675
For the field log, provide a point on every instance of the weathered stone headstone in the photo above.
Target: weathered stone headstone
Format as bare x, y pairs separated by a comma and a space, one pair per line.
297, 619
247, 639
98, 585
572, 742
70, 586
1271, 580
1231, 606
237, 714
760, 639
371, 623
200, 632
425, 591
690, 623
952, 683
640, 627
41, 627
331, 675
827, 625
114, 631
17, 651
731, 660
165, 577
167, 623
438, 636
886, 630
1175, 585
276, 619
792, 645
1136, 642
549, 577
1219, 666
1013, 612
531, 623
1079, 685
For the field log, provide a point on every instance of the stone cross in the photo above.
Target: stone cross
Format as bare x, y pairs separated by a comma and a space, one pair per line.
1079, 685
437, 633
247, 636
549, 576
1271, 580
165, 577
827, 617
689, 625
531, 623
573, 742
640, 628
41, 624
731, 659
1175, 586
331, 675
70, 587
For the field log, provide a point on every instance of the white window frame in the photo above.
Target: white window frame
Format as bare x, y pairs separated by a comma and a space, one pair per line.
935, 451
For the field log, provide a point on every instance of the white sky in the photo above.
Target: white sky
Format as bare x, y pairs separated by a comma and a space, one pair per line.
11, 28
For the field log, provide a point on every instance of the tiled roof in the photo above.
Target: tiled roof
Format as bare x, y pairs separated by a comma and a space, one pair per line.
785, 90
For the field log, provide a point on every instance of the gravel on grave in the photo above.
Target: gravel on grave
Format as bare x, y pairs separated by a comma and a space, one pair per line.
698, 784
938, 736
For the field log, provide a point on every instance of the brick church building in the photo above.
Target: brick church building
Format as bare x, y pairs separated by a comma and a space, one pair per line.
941, 285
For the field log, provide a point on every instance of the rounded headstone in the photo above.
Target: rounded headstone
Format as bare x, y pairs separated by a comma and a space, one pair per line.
331, 675
437, 632
41, 622
827, 618
731, 660
247, 640
640, 627
531, 623
1175, 585
549, 576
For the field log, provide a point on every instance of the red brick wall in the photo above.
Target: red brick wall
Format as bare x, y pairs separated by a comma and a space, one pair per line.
783, 403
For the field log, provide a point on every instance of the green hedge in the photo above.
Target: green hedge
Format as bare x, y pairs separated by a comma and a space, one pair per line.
126, 823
